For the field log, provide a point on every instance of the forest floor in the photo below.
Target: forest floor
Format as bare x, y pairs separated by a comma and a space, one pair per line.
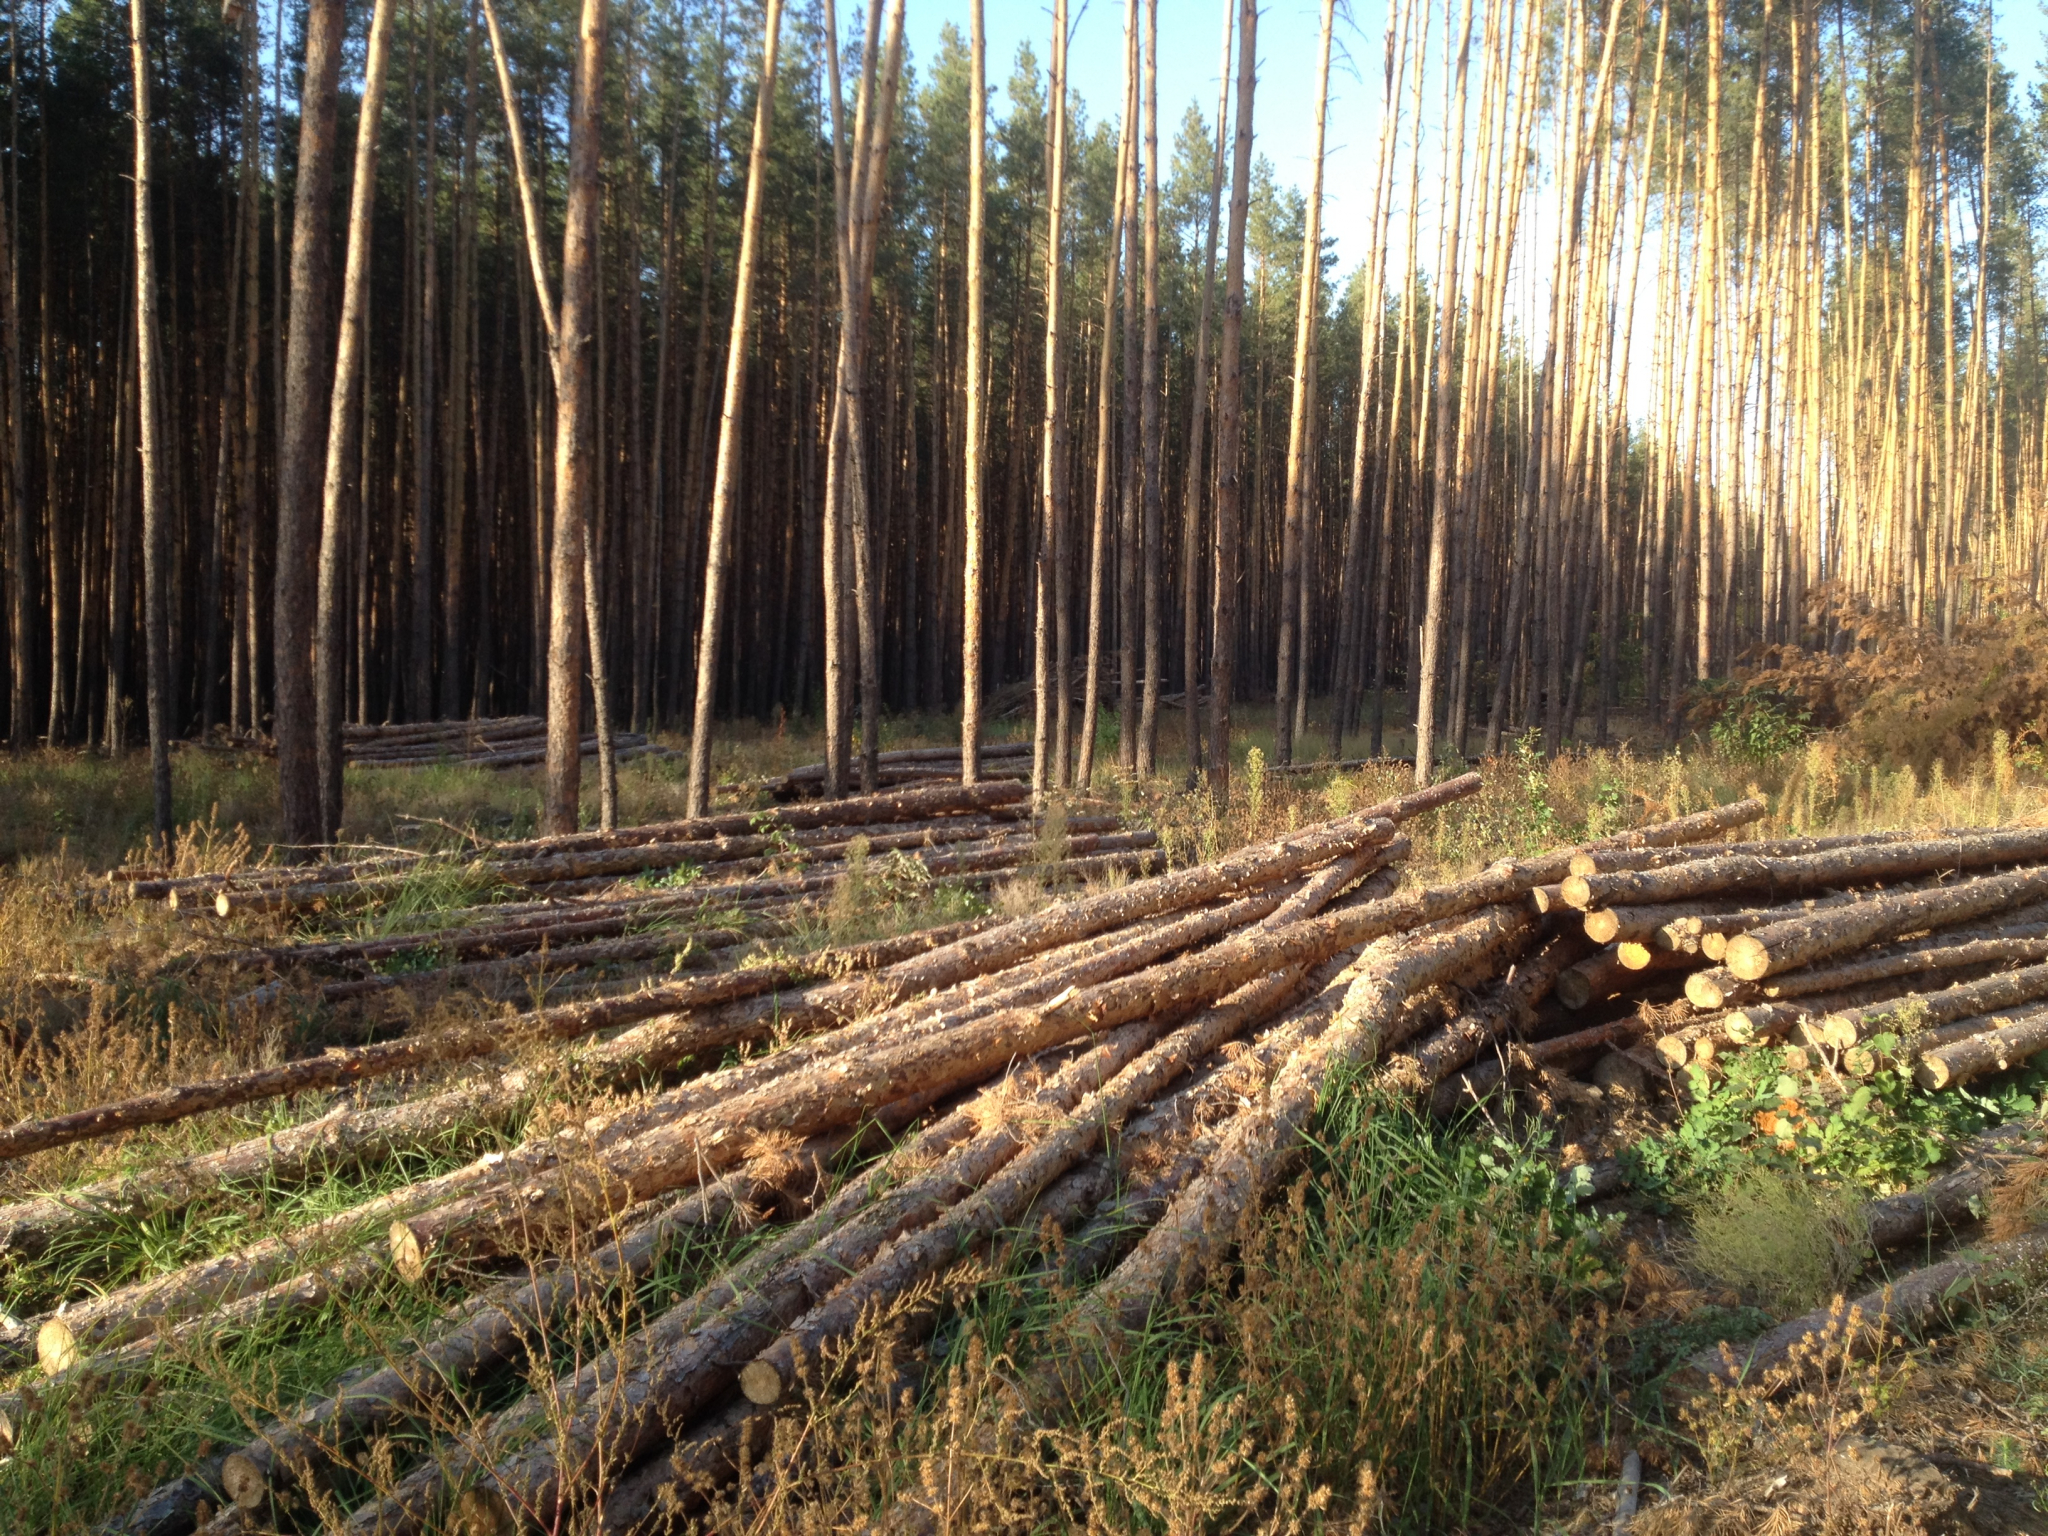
1428, 1335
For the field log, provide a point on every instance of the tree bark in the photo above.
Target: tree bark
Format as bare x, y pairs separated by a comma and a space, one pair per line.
300, 457
1230, 416
344, 423
576, 471
155, 515
1300, 467
976, 428
697, 799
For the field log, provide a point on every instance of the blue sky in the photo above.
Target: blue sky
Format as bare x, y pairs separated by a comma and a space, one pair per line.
1190, 34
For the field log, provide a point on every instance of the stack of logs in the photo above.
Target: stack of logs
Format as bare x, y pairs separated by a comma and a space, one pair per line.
911, 765
651, 896
1135, 1067
512, 741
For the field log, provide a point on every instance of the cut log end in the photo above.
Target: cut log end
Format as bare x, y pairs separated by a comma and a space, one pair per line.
1577, 891
1574, 988
1747, 957
1602, 926
1583, 864
761, 1382
1674, 1049
244, 1481
1714, 946
483, 1512
1547, 898
408, 1254
56, 1346
1838, 1032
1703, 990
1634, 954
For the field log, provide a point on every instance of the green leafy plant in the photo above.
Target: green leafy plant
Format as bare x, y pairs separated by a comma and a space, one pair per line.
1860, 1121
1759, 724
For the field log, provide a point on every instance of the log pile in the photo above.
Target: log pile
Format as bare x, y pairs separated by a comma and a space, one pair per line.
512, 741
1137, 1067
911, 765
650, 899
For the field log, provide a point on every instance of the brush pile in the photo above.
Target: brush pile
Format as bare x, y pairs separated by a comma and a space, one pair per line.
1133, 1068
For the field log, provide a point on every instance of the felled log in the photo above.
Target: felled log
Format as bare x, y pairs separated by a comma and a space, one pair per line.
507, 1319
1910, 1305
670, 1385
1997, 1050
1203, 1221
1845, 1027
131, 1311
1507, 1007
663, 1042
773, 1373
1620, 860
360, 1063
1765, 951
700, 1342
838, 1086
1607, 975
1734, 874
1949, 1199
1477, 1083
342, 1138
1926, 958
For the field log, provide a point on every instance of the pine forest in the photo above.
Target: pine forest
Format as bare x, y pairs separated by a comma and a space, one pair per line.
911, 766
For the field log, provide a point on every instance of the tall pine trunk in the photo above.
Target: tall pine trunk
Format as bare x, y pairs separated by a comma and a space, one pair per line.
976, 427
576, 469
344, 423
1230, 412
300, 456
725, 472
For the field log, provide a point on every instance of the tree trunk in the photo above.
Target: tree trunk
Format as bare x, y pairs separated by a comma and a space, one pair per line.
300, 458
1191, 561
697, 800
976, 428
344, 422
155, 523
1230, 415
1300, 465
576, 469
1154, 532
1047, 774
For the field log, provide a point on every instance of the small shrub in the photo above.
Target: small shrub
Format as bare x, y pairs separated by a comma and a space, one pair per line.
1782, 1239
